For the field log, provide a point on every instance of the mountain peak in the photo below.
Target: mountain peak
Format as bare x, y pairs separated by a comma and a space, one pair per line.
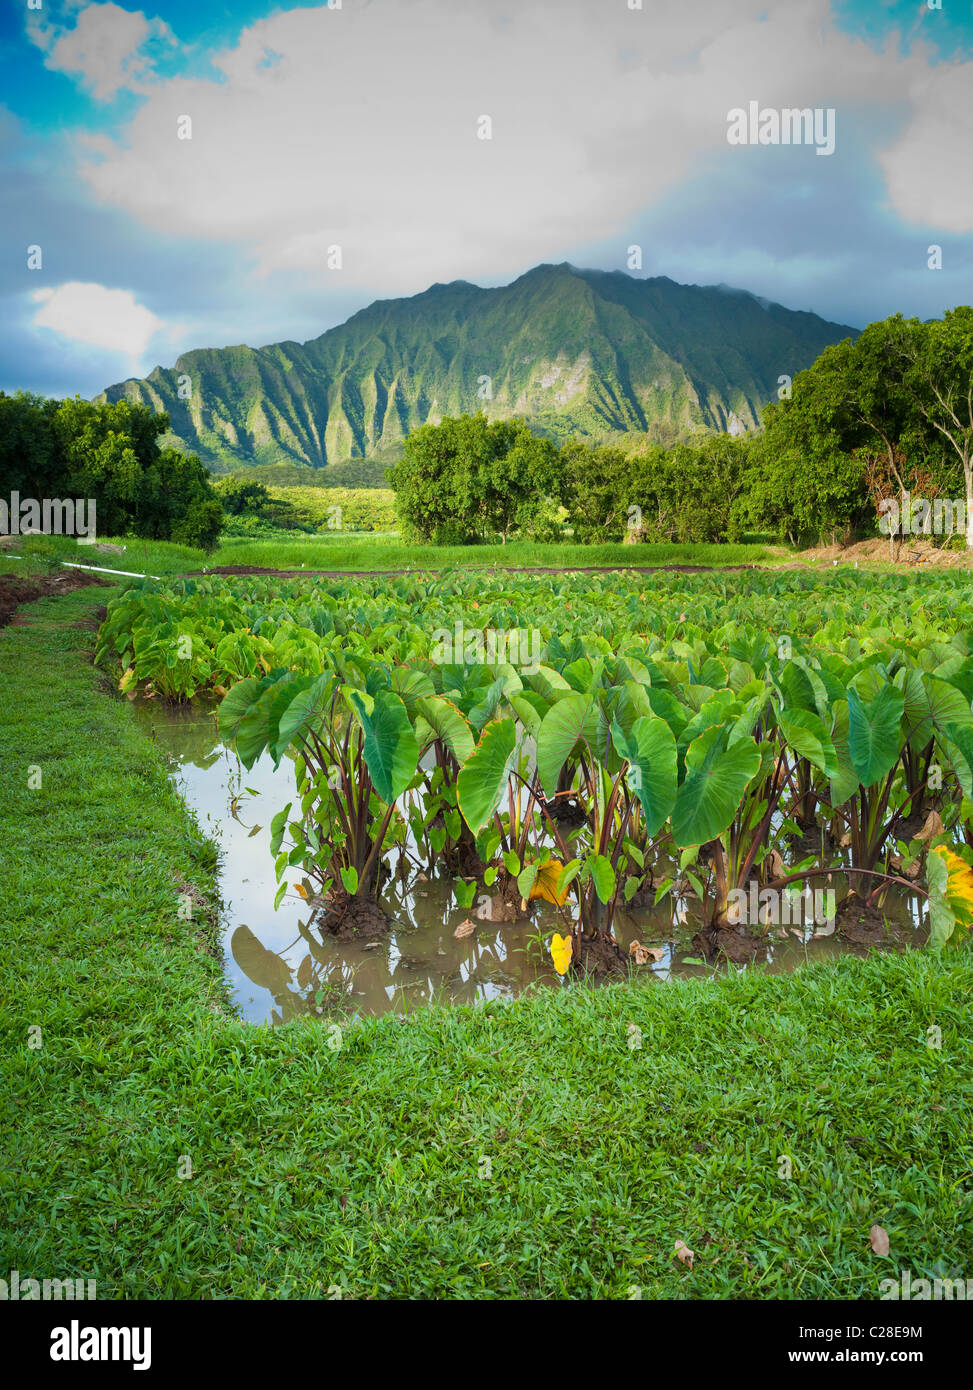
627, 354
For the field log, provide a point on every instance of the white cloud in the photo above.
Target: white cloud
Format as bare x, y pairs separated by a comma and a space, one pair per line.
357, 127
99, 317
927, 169
106, 47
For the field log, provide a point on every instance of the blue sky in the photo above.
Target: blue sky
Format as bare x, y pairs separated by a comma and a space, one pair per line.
359, 126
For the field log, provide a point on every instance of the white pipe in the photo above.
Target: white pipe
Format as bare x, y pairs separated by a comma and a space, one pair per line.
128, 574
100, 569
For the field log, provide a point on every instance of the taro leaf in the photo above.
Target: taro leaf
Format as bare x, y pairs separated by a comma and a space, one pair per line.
946, 704
236, 705
603, 877
390, 749
483, 777
716, 779
311, 698
412, 685
668, 707
547, 883
258, 726
448, 724
480, 714
873, 733
808, 737
651, 752
960, 749
561, 728
530, 709
845, 784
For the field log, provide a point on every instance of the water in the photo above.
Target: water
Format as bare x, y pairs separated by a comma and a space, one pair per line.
279, 965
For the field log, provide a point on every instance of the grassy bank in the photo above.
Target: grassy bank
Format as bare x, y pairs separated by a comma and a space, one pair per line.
537, 1149
379, 552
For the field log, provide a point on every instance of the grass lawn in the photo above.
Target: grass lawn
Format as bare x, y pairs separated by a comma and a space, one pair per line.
538, 1149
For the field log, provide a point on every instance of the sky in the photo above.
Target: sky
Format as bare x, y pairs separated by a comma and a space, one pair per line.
340, 153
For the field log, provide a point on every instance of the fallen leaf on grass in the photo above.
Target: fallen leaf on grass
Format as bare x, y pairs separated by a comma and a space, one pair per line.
466, 928
683, 1252
878, 1239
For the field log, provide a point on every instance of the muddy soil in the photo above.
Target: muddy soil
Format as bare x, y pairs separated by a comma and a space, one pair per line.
510, 569
15, 590
867, 926
600, 957
351, 919
720, 943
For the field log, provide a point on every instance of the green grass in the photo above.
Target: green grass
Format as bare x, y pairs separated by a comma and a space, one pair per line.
362, 1167
380, 551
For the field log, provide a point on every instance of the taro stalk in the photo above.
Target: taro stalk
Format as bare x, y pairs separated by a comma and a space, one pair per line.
867, 792
620, 767
483, 781
355, 752
728, 786
446, 739
495, 770
801, 711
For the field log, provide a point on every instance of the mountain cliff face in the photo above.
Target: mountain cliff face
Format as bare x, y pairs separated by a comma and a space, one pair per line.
574, 352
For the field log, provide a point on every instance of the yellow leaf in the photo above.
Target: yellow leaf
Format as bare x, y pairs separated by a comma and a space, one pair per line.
561, 952
959, 884
545, 884
126, 680
299, 888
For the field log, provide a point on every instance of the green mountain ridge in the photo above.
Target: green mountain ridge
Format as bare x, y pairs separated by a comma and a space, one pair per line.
585, 353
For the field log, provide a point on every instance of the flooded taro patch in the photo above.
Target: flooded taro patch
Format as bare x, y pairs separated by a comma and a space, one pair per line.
281, 965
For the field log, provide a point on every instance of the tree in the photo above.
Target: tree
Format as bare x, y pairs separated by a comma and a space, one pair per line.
29, 462
240, 496
521, 477
808, 480
934, 364
468, 480
109, 453
600, 490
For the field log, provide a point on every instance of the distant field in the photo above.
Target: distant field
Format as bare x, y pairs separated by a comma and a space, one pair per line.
341, 509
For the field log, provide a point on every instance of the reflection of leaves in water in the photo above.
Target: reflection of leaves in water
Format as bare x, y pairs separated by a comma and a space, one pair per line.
263, 967
208, 759
189, 735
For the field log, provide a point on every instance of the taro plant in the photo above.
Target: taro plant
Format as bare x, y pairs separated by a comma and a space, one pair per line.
355, 753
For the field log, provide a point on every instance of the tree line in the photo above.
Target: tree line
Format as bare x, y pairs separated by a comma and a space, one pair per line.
110, 454
885, 417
